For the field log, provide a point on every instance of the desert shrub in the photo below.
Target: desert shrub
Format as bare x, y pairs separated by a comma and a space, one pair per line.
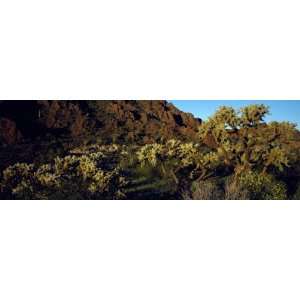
247, 186
205, 190
234, 191
87, 176
17, 181
253, 185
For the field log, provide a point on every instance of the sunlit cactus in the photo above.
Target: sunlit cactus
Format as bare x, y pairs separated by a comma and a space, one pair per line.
245, 142
78, 176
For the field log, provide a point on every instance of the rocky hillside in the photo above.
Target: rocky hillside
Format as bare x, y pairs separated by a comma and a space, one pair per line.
127, 121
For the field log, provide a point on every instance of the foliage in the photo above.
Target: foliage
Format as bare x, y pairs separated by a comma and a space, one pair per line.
244, 142
170, 157
205, 190
252, 185
248, 186
176, 157
88, 176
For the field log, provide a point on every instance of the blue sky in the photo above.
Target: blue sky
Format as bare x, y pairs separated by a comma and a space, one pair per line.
280, 110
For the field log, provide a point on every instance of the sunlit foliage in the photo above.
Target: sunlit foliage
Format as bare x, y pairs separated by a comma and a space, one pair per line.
88, 176
245, 142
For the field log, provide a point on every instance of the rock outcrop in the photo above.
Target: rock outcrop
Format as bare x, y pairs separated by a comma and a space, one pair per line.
123, 121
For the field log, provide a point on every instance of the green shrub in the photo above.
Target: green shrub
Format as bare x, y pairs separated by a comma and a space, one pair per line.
253, 185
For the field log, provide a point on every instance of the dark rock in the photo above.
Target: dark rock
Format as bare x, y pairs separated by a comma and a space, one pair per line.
124, 120
9, 134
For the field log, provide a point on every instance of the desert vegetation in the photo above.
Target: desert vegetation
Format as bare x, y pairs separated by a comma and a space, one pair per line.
236, 155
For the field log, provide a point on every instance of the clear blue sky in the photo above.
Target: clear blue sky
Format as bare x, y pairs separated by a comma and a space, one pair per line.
280, 110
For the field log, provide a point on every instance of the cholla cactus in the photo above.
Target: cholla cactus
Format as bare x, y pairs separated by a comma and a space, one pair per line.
45, 177
243, 141
189, 154
18, 179
73, 176
253, 115
151, 154
206, 166
174, 156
